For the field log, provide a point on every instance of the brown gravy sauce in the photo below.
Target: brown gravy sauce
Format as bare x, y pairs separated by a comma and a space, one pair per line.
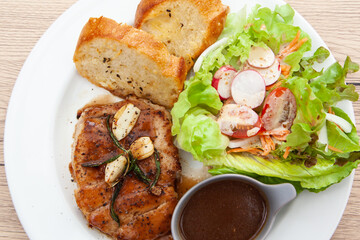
224, 210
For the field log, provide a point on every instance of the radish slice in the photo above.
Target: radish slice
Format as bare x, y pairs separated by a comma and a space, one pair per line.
251, 142
342, 123
200, 59
260, 57
239, 121
222, 81
270, 74
248, 88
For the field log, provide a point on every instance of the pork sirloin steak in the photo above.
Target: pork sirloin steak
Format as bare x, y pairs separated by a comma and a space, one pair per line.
142, 215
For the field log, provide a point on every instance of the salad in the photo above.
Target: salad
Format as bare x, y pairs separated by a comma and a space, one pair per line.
260, 106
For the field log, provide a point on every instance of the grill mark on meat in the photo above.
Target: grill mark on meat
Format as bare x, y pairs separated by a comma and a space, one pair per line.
92, 197
142, 215
150, 220
153, 222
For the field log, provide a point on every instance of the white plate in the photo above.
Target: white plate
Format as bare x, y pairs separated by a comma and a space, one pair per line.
41, 119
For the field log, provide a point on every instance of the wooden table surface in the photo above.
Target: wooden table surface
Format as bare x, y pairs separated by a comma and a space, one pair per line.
22, 22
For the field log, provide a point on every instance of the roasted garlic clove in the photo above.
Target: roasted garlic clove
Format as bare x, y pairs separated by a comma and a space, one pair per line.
142, 148
124, 120
114, 170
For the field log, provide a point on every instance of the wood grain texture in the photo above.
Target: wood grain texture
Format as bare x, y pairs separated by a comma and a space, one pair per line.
22, 22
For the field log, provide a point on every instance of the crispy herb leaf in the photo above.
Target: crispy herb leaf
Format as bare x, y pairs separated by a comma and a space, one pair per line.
132, 161
141, 175
158, 169
98, 163
117, 189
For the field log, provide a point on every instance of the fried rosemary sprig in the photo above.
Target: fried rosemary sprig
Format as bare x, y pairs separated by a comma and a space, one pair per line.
158, 169
116, 192
98, 163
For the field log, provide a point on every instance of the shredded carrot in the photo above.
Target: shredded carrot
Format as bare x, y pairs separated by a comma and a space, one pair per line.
275, 85
339, 127
287, 152
239, 150
280, 137
265, 145
278, 132
270, 142
299, 44
294, 45
285, 70
334, 149
331, 111
257, 151
294, 41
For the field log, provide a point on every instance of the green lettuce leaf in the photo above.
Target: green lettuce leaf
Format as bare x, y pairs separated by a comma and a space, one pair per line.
330, 87
300, 136
353, 134
235, 23
201, 136
315, 179
310, 114
339, 140
306, 65
346, 142
309, 107
264, 179
197, 93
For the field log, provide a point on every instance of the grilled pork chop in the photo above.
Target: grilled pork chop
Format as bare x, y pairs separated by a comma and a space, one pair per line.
142, 214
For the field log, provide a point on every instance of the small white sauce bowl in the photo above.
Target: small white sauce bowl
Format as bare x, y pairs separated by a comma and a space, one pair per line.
277, 196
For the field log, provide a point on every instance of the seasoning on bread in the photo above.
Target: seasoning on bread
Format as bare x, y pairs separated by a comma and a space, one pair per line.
126, 60
186, 27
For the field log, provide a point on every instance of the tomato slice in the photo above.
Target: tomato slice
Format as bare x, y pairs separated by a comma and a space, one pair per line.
239, 121
279, 109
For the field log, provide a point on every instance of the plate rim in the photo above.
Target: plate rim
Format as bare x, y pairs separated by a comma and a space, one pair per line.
20, 83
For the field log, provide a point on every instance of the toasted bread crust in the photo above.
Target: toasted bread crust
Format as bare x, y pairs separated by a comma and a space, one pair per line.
213, 14
171, 67
208, 8
143, 10
215, 27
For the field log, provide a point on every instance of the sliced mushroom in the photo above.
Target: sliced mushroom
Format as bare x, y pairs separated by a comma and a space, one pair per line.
114, 170
124, 120
142, 148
